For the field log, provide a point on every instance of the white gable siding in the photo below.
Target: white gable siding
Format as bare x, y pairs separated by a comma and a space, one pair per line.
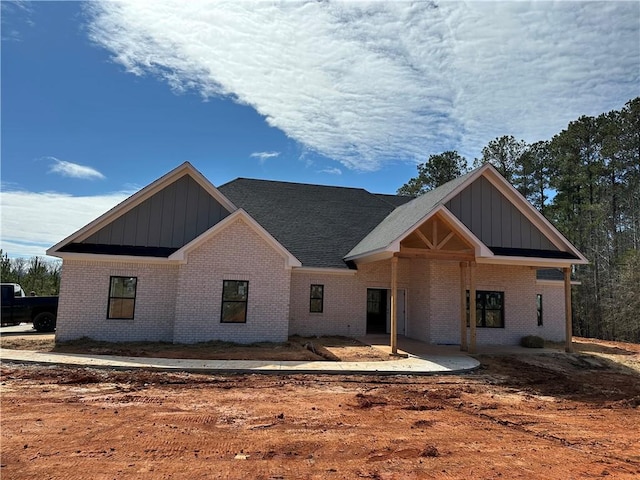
235, 253
84, 296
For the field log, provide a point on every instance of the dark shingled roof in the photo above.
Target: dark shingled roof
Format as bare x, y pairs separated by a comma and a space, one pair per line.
549, 274
318, 224
395, 200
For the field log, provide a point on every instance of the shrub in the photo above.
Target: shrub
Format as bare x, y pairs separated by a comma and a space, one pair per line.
532, 341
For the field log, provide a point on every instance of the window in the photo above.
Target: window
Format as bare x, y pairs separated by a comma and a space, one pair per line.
489, 309
122, 297
234, 301
539, 308
316, 299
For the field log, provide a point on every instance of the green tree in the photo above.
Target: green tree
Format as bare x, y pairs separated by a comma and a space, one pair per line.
438, 170
505, 154
6, 269
33, 274
533, 174
624, 304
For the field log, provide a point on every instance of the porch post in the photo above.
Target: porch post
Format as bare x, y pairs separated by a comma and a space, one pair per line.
567, 310
394, 313
463, 307
472, 307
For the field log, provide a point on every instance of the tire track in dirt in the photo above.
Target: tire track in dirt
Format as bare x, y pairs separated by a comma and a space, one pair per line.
454, 402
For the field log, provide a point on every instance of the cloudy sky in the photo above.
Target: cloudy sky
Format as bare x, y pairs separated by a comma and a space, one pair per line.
99, 99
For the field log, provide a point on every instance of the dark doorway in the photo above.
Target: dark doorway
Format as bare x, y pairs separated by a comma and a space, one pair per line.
376, 310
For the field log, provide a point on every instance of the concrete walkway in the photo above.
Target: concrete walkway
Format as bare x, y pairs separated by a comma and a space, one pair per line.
416, 364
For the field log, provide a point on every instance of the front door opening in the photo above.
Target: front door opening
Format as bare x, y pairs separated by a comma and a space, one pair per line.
376, 310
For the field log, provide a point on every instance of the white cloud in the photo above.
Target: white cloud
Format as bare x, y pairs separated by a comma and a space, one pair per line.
35, 221
331, 171
369, 83
264, 156
74, 170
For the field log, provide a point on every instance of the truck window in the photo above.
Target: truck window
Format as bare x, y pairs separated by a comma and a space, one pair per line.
7, 291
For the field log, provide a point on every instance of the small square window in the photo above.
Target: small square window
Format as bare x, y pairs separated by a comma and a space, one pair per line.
316, 300
122, 297
235, 295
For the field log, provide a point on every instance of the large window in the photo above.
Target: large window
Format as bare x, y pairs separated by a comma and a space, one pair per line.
539, 308
489, 309
122, 297
235, 294
316, 301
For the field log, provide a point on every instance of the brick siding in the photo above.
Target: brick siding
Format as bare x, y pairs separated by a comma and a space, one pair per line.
84, 297
182, 303
235, 253
432, 301
553, 327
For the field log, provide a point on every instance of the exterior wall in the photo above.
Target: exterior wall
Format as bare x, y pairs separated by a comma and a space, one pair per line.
553, 321
519, 286
278, 302
84, 296
444, 308
345, 298
418, 300
344, 306
235, 253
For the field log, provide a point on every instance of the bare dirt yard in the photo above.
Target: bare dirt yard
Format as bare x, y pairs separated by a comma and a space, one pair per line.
336, 349
532, 416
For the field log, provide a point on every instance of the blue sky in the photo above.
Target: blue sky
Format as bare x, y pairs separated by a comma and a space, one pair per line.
100, 99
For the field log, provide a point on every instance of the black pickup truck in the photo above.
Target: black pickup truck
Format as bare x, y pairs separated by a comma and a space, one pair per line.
18, 308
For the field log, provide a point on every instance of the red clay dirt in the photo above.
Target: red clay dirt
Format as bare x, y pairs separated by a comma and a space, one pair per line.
542, 416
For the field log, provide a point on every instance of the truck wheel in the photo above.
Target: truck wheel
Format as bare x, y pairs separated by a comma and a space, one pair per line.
45, 322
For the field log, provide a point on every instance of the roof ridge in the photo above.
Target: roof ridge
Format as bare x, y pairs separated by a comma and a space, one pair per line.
289, 182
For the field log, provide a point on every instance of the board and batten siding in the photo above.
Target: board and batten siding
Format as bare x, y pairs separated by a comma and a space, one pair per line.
494, 219
171, 218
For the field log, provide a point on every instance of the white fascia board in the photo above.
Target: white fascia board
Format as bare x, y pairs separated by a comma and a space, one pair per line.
529, 261
369, 257
556, 283
181, 254
324, 271
139, 197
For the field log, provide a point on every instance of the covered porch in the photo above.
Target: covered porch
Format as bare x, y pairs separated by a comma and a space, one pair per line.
440, 241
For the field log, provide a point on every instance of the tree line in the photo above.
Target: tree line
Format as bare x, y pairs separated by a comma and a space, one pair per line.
586, 181
35, 275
